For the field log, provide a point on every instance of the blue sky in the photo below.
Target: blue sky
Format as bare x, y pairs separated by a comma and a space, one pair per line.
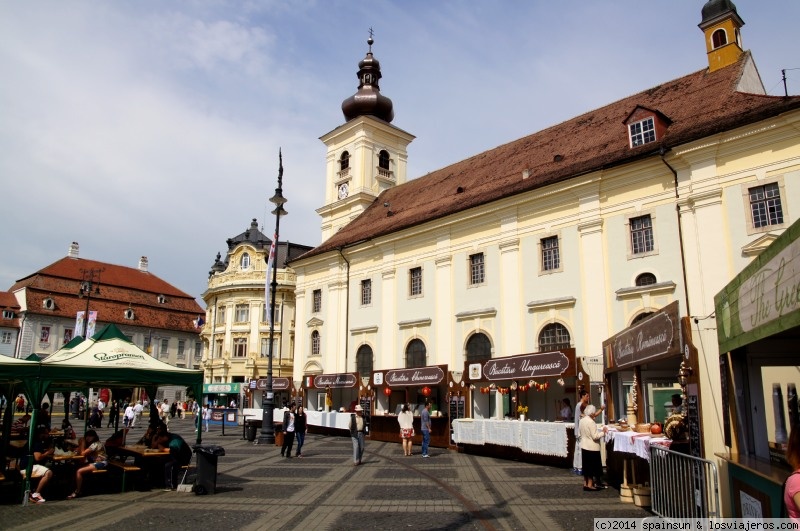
152, 128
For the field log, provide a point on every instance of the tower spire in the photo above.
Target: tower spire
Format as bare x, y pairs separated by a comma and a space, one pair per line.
368, 100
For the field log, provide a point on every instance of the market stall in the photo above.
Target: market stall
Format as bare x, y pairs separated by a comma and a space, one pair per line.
395, 387
758, 328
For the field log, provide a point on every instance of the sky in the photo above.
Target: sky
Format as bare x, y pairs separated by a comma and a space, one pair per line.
152, 128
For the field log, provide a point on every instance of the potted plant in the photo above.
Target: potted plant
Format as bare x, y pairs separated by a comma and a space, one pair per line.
522, 411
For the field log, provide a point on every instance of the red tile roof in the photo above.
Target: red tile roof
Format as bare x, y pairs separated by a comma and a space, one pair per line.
120, 288
9, 302
697, 105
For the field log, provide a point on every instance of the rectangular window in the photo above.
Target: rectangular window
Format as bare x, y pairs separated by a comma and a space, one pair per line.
68, 335
477, 273
181, 349
44, 337
242, 313
146, 345
164, 348
265, 309
240, 347
765, 205
317, 301
265, 347
641, 235
221, 315
642, 132
366, 292
5, 338
198, 350
218, 349
551, 257
415, 281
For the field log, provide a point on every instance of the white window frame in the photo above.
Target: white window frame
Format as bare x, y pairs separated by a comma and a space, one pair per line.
415, 282
543, 270
181, 349
748, 208
239, 347
366, 292
477, 269
164, 350
241, 313
642, 132
316, 301
244, 261
316, 343
5, 337
629, 235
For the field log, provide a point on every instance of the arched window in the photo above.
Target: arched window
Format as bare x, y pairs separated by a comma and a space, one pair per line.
479, 348
645, 279
383, 159
553, 337
415, 354
641, 317
719, 38
245, 261
315, 343
344, 161
364, 360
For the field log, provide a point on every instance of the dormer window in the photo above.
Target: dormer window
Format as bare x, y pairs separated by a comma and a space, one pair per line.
129, 314
162, 299
245, 261
642, 132
8, 314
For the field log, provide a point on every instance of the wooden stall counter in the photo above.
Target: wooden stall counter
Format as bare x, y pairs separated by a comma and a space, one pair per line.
385, 428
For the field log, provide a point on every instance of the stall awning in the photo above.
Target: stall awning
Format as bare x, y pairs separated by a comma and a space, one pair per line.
764, 299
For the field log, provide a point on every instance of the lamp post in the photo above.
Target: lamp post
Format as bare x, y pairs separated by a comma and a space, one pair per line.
267, 426
91, 280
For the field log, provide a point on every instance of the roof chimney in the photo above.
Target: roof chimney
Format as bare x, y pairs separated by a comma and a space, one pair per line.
143, 264
73, 250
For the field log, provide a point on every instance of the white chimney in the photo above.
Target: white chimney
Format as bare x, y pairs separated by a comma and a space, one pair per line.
73, 250
143, 264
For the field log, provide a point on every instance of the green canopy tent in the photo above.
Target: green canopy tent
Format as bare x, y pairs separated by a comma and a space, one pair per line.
14, 373
108, 359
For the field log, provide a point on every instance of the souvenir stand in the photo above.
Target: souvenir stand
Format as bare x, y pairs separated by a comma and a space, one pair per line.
758, 328
513, 407
396, 387
651, 373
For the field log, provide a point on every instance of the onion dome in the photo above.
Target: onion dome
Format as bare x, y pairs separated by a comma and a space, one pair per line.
713, 10
368, 100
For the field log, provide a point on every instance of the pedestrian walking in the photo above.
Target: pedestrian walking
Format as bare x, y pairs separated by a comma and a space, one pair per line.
300, 429
137, 412
357, 426
425, 426
113, 414
288, 432
206, 415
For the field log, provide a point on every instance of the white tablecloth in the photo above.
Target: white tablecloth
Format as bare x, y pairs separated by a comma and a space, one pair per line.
632, 442
543, 438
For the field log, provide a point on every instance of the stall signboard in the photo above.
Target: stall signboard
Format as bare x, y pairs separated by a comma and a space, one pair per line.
335, 381
222, 388
764, 299
278, 384
432, 375
655, 338
524, 366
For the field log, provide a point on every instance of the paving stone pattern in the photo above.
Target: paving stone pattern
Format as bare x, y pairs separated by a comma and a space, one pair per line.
257, 489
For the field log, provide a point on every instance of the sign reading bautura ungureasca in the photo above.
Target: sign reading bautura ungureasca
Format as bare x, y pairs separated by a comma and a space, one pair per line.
527, 366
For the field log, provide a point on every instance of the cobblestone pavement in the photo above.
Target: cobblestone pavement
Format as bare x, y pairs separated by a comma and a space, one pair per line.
257, 489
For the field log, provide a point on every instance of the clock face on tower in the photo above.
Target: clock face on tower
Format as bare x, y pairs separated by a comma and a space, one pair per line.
343, 190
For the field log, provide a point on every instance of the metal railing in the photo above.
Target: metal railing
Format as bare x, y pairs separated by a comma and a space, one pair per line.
683, 486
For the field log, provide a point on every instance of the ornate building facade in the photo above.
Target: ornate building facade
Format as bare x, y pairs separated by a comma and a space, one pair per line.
236, 329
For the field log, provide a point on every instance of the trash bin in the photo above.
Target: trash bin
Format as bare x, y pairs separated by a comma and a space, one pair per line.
252, 430
206, 482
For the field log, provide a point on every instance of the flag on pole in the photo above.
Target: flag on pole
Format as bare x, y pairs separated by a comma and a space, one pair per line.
199, 322
270, 265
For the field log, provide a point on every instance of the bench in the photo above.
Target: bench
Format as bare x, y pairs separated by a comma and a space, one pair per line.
121, 466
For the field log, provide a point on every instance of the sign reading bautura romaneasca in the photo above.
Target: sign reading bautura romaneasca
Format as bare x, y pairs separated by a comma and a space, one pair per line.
656, 337
335, 381
419, 376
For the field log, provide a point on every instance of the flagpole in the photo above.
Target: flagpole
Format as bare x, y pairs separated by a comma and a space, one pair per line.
268, 412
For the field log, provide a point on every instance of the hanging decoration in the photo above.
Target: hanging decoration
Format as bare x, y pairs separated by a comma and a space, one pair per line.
426, 391
387, 391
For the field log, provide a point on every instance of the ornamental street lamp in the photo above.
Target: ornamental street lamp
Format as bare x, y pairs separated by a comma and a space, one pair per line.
91, 281
267, 425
